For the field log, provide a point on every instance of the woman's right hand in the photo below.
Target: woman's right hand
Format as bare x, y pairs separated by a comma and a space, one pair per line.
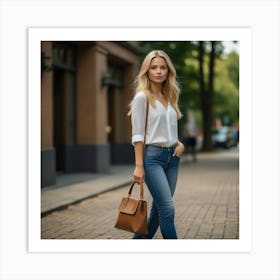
139, 174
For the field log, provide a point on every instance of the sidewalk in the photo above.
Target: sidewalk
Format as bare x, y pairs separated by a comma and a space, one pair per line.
206, 199
60, 196
65, 193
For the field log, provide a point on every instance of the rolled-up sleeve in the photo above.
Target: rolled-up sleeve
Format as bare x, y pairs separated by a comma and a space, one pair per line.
138, 115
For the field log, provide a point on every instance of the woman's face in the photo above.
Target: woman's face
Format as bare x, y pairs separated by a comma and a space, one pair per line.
158, 70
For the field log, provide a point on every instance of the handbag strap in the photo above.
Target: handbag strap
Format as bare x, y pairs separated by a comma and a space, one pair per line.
141, 190
146, 123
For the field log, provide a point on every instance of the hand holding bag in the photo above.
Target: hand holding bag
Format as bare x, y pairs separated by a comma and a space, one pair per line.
133, 213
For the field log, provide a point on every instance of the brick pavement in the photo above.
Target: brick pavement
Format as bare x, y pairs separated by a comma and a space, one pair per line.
206, 202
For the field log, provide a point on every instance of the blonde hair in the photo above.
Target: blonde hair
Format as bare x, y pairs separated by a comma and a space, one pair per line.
170, 86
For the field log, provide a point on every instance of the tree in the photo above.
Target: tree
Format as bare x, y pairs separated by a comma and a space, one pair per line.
207, 89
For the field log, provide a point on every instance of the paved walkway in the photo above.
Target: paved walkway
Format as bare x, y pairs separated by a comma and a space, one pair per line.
206, 202
86, 186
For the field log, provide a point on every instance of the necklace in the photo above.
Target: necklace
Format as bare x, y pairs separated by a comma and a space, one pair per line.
159, 95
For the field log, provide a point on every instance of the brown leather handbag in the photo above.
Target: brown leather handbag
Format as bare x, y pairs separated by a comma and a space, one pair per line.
133, 213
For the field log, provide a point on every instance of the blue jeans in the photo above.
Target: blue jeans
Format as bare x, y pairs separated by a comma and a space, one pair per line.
161, 172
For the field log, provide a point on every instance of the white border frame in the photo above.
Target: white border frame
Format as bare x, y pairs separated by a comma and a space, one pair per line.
36, 35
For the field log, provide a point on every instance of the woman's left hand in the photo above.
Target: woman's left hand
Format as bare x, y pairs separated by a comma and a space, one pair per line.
179, 150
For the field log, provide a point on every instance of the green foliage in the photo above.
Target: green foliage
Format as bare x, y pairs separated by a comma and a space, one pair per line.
184, 56
226, 97
233, 68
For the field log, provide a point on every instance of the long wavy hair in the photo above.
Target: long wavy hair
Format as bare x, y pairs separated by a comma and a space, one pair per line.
170, 86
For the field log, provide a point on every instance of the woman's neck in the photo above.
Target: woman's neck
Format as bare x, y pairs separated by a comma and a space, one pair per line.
156, 89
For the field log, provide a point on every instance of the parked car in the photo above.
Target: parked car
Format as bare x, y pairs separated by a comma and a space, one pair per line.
223, 137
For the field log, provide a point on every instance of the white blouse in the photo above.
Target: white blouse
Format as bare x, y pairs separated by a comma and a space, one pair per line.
162, 125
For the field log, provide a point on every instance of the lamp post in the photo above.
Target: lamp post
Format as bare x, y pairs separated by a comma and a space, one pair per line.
106, 80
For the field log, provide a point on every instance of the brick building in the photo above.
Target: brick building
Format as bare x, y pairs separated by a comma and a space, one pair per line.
85, 91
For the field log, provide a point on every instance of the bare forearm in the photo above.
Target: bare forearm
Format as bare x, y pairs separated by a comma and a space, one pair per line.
138, 150
139, 173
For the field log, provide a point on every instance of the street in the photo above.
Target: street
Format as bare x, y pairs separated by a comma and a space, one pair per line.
206, 205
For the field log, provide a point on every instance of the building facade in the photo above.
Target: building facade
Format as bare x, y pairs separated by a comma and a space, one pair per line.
85, 91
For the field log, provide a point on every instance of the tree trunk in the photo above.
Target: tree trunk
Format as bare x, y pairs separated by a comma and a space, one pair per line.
207, 94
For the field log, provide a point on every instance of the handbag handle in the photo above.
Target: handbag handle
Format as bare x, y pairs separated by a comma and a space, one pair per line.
141, 190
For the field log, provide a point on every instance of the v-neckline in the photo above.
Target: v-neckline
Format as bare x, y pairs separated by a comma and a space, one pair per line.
166, 109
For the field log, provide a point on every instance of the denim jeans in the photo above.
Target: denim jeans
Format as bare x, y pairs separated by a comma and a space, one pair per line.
161, 172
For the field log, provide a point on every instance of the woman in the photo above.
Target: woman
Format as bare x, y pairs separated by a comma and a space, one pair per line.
159, 166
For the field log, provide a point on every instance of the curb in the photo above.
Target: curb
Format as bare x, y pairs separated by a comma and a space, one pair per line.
64, 205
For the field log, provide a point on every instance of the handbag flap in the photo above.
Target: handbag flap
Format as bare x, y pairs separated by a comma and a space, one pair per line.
128, 205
